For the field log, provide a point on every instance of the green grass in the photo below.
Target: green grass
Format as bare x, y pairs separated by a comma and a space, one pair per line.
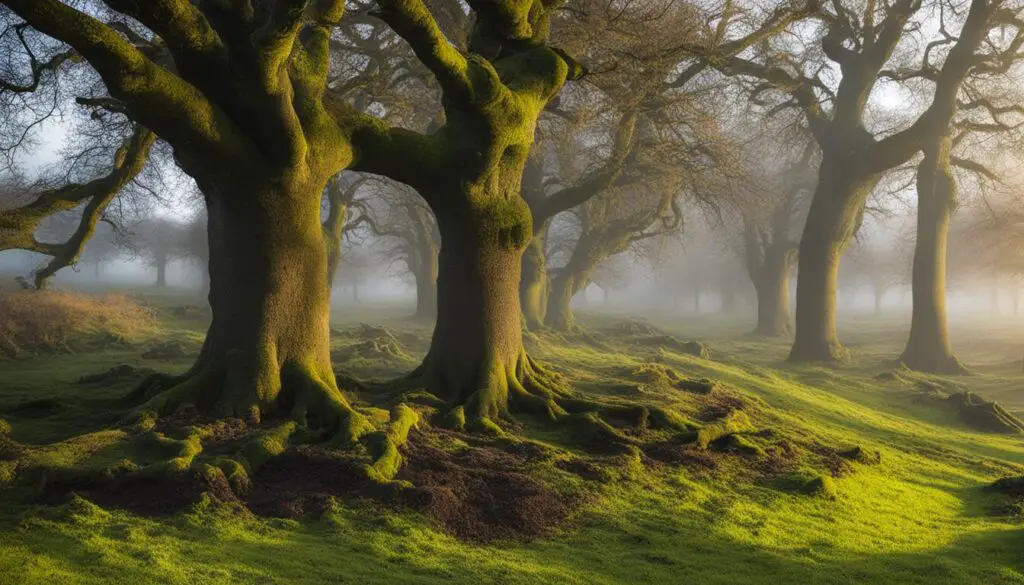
921, 516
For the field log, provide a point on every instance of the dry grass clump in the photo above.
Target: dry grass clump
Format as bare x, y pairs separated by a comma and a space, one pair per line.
52, 320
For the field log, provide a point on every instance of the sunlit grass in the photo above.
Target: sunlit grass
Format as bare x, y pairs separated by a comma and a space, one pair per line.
919, 517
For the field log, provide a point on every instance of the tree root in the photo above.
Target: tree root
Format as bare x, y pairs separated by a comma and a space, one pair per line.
530, 388
312, 407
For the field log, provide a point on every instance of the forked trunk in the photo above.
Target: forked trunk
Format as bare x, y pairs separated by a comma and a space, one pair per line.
831, 222
928, 347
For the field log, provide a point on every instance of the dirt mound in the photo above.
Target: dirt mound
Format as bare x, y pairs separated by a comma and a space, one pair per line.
116, 374
148, 494
302, 481
483, 494
670, 343
478, 494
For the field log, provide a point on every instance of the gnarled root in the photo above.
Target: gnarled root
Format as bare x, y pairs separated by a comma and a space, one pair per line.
309, 405
530, 388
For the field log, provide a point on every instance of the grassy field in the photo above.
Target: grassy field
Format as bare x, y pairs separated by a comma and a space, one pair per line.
921, 515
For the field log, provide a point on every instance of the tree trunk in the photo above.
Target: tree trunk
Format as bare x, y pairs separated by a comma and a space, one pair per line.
563, 288
355, 291
831, 221
535, 285
772, 288
266, 351
161, 271
879, 293
696, 298
476, 354
426, 289
928, 347
333, 260
97, 270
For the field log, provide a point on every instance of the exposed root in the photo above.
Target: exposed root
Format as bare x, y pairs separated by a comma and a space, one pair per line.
528, 387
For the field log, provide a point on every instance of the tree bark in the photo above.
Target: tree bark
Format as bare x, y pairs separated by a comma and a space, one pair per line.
772, 288
477, 352
928, 347
266, 351
426, 289
563, 288
831, 221
535, 285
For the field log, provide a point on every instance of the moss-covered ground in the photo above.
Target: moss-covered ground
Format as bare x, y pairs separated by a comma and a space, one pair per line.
738, 513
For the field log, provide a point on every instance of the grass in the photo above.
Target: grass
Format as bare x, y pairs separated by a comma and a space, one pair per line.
63, 320
921, 516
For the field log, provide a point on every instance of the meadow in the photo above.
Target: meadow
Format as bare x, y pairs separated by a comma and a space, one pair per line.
862, 473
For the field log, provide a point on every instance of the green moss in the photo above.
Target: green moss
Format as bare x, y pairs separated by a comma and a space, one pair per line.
454, 419
918, 518
736, 422
268, 444
742, 444
808, 483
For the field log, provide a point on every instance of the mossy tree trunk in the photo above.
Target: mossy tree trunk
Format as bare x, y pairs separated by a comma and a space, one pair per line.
477, 345
535, 284
928, 347
471, 177
240, 97
564, 286
266, 351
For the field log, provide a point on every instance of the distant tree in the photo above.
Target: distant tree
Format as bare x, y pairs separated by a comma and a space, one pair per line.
408, 236
779, 200
868, 43
158, 241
